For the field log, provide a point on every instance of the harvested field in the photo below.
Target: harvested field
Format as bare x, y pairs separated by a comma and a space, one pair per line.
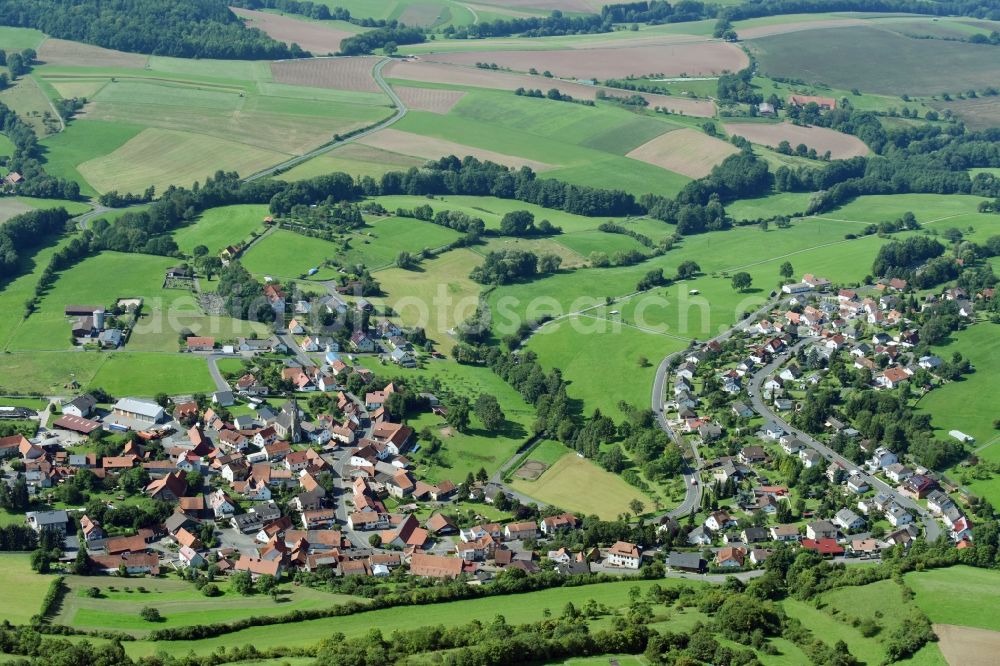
531, 470
75, 54
429, 99
166, 157
548, 5
425, 14
686, 151
841, 146
967, 646
431, 148
480, 78
316, 38
980, 113
10, 207
757, 31
696, 59
353, 73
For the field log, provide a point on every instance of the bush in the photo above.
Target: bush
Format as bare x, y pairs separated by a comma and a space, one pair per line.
150, 614
211, 590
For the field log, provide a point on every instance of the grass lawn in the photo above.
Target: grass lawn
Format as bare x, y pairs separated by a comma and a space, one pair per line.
958, 595
218, 227
378, 244
179, 602
548, 452
47, 372
577, 484
466, 452
146, 374
83, 140
519, 608
287, 254
23, 589
783, 203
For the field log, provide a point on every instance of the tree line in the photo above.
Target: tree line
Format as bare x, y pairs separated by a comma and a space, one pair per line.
25, 159
180, 28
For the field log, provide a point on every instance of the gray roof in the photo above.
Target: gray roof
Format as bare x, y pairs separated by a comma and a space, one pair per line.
686, 560
143, 407
83, 402
48, 517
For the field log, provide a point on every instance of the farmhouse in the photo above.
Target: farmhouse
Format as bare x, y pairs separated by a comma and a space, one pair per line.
825, 103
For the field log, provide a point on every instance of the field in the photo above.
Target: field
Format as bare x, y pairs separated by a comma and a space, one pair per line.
686, 151
24, 590
354, 159
429, 148
317, 38
74, 54
841, 146
454, 75
181, 159
958, 595
429, 99
697, 59
219, 227
179, 602
784, 203
906, 65
979, 113
338, 73
287, 254
578, 484
31, 104
967, 646
147, 374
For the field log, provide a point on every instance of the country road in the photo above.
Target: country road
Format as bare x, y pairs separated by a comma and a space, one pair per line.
401, 111
692, 486
933, 530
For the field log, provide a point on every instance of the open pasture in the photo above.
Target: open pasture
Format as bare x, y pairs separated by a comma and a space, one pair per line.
378, 245
429, 99
957, 595
162, 157
782, 203
430, 72
438, 297
76, 54
841, 146
558, 245
347, 73
525, 608
686, 151
431, 148
577, 484
695, 59
218, 227
29, 102
287, 254
10, 207
24, 589
906, 65
149, 373
317, 38
179, 602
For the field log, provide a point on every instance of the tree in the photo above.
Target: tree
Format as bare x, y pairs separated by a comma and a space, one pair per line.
150, 614
786, 270
242, 582
267, 583
687, 269
489, 412
517, 223
199, 251
636, 506
375, 541
390, 48
742, 281
458, 415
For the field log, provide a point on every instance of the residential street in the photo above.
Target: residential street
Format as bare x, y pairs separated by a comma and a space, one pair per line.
933, 530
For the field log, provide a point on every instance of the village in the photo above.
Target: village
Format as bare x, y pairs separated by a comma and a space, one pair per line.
283, 488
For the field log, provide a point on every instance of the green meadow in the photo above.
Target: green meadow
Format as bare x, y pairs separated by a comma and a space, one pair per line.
24, 589
219, 227
958, 595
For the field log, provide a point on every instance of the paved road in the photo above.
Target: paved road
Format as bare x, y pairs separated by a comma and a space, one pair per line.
497, 477
401, 111
213, 369
693, 489
933, 530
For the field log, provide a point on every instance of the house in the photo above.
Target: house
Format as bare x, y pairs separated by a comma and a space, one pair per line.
898, 472
801, 101
259, 567
848, 521
440, 524
625, 555
47, 521
709, 432
742, 411
12, 446
223, 398
687, 562
700, 536
755, 535
134, 563
360, 342
882, 458
222, 505
856, 483
169, 488
918, 486
773, 431
825, 547
898, 516
437, 566
80, 407
197, 343
718, 521
752, 454
821, 529
890, 378
91, 529
520, 531
189, 557
730, 557
554, 524
810, 458
784, 533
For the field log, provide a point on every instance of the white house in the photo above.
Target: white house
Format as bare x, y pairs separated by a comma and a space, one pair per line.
625, 555
848, 521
